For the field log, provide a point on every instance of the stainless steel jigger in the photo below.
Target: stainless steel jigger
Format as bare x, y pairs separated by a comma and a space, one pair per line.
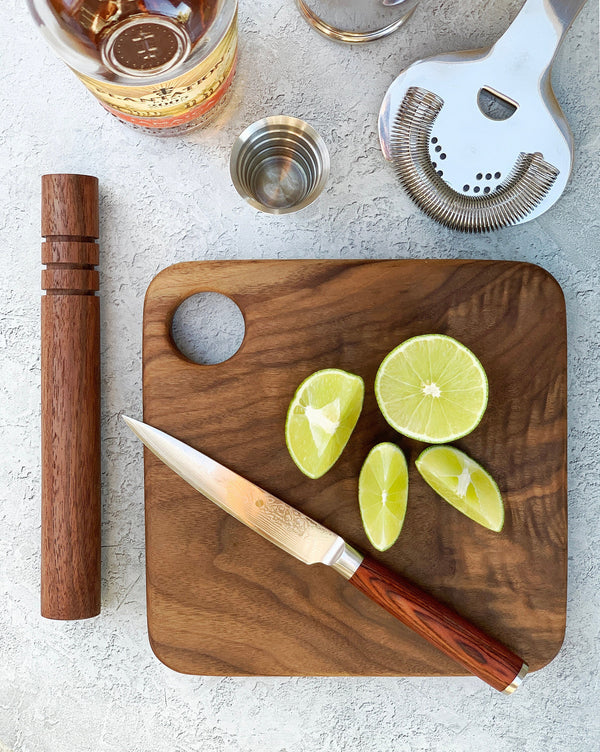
279, 164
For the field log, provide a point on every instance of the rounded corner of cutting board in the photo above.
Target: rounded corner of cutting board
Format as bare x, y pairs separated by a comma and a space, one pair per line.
552, 652
163, 654
544, 274
170, 274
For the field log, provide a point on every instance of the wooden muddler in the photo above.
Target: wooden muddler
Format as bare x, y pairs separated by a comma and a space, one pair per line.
70, 398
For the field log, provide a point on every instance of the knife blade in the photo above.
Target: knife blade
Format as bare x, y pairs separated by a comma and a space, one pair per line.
312, 543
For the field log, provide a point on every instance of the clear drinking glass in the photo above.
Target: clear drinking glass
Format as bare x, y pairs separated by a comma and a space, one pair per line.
161, 66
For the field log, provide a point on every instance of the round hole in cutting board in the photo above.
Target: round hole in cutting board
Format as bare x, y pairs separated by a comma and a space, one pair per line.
208, 328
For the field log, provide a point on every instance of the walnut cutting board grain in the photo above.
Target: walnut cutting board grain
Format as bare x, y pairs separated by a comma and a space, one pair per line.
223, 601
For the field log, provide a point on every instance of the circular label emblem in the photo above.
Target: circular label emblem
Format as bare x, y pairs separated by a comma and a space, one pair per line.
145, 46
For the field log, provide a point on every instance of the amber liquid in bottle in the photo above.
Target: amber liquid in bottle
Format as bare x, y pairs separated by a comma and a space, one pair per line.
159, 65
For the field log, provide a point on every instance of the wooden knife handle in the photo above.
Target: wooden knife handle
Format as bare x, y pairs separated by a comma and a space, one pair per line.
70, 365
479, 653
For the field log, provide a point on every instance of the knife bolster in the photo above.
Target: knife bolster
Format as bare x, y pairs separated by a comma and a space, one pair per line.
348, 562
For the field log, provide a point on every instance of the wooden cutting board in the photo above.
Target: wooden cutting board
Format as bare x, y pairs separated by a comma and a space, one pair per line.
223, 601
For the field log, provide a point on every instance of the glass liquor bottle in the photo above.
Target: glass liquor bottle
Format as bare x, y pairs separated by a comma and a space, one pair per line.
161, 66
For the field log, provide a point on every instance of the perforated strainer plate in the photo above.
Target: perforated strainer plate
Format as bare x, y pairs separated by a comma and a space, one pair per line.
486, 180
477, 137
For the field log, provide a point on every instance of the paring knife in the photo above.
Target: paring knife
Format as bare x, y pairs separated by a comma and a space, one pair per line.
312, 543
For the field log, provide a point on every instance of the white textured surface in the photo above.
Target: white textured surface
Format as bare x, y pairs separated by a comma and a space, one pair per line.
95, 685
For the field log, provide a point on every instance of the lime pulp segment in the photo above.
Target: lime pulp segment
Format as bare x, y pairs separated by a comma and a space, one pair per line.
321, 418
382, 494
432, 388
463, 483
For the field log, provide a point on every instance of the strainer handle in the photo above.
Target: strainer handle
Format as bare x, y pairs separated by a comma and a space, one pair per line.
566, 11
538, 29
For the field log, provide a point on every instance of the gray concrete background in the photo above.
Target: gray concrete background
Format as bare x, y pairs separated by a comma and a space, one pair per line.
95, 686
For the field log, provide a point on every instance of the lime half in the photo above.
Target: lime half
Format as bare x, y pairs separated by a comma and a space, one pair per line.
382, 494
463, 483
321, 417
432, 388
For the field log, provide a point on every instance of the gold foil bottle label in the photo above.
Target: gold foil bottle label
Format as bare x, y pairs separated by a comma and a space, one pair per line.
175, 102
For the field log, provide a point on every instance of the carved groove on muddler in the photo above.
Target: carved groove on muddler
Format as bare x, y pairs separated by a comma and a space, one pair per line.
70, 359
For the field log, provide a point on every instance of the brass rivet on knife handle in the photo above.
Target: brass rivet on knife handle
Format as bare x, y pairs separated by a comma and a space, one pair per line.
70, 371
479, 653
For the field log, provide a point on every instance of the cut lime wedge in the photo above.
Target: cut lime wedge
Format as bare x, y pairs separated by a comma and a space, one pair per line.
432, 388
463, 483
382, 494
321, 418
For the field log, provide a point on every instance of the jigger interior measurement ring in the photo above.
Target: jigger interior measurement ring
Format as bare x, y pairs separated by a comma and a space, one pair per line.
279, 164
